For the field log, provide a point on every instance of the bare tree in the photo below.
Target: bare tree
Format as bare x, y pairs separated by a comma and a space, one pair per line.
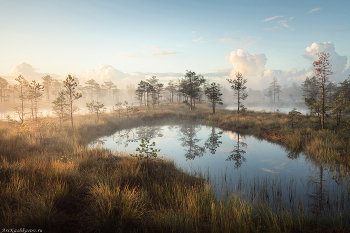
238, 87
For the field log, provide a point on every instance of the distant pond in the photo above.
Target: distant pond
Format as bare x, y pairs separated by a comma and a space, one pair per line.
257, 170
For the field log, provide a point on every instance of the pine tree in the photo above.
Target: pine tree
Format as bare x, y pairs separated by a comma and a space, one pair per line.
35, 95
322, 70
238, 87
214, 95
3, 85
190, 86
61, 107
47, 81
69, 89
22, 87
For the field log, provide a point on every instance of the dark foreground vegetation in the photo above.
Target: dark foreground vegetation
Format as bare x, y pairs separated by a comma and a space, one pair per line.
51, 180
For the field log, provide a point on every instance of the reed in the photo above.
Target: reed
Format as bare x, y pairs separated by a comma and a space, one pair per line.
50, 179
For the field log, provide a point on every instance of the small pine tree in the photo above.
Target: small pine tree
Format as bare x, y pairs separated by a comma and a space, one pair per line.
69, 89
214, 95
61, 107
238, 87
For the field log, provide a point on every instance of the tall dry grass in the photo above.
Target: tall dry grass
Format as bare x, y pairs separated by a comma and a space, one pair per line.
51, 180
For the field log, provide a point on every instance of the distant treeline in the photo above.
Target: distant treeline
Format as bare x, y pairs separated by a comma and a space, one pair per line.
319, 93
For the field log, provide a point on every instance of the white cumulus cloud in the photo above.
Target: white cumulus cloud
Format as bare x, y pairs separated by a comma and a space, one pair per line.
338, 62
250, 65
104, 73
28, 72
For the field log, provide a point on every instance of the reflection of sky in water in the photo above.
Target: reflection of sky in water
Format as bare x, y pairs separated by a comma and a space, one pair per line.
260, 155
261, 158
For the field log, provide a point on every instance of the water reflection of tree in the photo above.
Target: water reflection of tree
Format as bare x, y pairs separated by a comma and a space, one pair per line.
98, 142
133, 135
212, 143
237, 153
188, 138
318, 195
293, 154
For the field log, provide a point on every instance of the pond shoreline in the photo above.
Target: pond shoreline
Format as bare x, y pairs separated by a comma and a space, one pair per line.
73, 188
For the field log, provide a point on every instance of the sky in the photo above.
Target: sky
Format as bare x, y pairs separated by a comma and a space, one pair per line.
128, 41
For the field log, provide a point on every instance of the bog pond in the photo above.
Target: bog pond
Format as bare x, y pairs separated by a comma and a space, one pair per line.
254, 169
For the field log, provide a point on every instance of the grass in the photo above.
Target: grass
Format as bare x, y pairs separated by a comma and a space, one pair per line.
51, 180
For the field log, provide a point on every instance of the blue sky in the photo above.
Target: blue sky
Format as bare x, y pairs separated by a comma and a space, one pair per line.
125, 41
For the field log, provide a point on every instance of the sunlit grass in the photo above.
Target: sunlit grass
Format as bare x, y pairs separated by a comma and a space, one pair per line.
50, 179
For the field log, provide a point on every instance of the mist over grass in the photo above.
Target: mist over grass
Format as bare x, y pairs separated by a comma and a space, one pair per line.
51, 180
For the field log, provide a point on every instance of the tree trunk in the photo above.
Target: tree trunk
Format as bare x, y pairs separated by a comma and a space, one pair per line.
238, 102
71, 110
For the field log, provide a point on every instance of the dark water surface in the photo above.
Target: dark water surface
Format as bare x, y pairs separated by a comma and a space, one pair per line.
255, 169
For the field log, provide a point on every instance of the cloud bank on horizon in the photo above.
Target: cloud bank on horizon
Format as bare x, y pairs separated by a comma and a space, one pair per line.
252, 66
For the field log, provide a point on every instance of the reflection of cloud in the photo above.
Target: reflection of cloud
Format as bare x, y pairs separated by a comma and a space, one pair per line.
232, 135
253, 150
280, 166
163, 140
269, 161
268, 170
225, 149
157, 142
